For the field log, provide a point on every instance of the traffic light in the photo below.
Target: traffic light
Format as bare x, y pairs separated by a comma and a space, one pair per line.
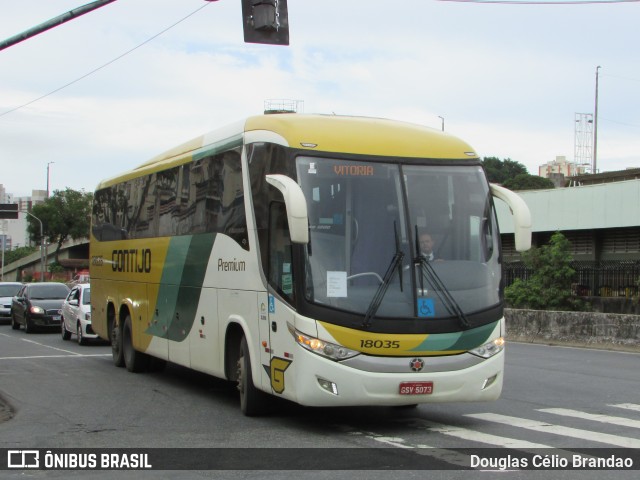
265, 21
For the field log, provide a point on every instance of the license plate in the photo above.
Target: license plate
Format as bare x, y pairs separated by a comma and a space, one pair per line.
56, 318
416, 388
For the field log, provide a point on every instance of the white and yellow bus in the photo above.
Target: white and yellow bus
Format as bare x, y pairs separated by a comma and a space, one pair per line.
283, 253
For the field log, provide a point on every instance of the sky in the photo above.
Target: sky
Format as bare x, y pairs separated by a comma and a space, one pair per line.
507, 78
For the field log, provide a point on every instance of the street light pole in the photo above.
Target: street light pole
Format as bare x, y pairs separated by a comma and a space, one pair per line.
4, 246
54, 22
48, 177
442, 118
42, 260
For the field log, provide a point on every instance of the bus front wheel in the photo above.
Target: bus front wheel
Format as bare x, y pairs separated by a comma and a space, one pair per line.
252, 401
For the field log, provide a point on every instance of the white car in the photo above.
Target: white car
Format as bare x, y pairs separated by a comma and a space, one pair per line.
76, 314
8, 290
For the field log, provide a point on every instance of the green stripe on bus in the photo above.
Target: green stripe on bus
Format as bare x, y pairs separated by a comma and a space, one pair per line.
456, 341
180, 286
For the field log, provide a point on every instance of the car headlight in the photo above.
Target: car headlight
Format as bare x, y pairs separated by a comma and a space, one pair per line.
489, 349
37, 310
325, 349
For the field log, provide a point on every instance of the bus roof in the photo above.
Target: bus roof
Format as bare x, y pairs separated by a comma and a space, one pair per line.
322, 133
362, 135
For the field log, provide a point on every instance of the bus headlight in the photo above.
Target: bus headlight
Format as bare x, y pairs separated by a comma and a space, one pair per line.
325, 349
490, 349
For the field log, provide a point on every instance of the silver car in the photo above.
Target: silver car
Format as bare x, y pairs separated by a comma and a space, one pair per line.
76, 314
8, 290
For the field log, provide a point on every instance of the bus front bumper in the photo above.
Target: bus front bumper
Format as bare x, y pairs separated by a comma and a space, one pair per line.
322, 382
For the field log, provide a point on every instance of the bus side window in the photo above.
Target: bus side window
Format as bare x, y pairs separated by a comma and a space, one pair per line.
280, 259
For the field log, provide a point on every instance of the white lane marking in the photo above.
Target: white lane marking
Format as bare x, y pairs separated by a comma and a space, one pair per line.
624, 422
57, 356
393, 441
627, 406
48, 346
473, 435
442, 454
537, 426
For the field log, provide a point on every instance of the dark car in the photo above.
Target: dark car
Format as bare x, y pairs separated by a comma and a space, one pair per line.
38, 305
7, 291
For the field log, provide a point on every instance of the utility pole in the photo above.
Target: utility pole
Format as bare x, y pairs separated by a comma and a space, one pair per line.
595, 125
43, 259
48, 177
54, 22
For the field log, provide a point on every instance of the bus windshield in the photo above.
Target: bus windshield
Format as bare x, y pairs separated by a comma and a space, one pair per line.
426, 233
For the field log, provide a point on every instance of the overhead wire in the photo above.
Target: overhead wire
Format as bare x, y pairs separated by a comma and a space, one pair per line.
509, 2
541, 2
105, 64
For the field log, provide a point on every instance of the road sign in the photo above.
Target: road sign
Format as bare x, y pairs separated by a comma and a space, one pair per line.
9, 211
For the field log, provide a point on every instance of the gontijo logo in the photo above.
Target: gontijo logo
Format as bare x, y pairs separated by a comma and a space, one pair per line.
131, 260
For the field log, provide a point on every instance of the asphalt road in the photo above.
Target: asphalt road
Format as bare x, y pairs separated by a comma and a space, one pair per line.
63, 395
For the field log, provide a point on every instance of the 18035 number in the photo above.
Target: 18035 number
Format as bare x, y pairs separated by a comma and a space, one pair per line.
379, 343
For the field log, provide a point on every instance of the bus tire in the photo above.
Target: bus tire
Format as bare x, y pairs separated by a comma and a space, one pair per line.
116, 345
252, 401
134, 360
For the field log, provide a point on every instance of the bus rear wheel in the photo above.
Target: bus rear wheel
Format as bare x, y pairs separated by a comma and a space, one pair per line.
134, 360
253, 402
116, 345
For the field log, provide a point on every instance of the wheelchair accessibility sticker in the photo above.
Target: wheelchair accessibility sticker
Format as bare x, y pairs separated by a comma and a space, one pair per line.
426, 307
272, 304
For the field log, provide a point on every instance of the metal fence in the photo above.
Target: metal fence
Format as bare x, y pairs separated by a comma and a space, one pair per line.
600, 279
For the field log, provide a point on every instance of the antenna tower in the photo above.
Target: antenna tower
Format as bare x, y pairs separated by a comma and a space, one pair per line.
583, 145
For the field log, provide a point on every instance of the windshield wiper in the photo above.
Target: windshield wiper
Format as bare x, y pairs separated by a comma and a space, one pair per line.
439, 287
376, 301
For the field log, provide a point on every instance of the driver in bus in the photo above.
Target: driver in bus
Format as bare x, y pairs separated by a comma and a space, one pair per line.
427, 244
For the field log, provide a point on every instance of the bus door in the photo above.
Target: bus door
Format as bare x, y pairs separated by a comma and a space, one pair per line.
280, 297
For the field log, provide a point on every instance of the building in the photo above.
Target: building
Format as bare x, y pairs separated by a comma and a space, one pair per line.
602, 222
16, 230
559, 169
605, 177
74, 258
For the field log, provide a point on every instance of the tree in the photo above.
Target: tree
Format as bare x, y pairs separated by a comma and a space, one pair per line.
549, 287
16, 254
64, 215
499, 171
513, 175
524, 181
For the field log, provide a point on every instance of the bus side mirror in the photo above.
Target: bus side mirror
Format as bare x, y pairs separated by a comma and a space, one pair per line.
521, 215
296, 206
